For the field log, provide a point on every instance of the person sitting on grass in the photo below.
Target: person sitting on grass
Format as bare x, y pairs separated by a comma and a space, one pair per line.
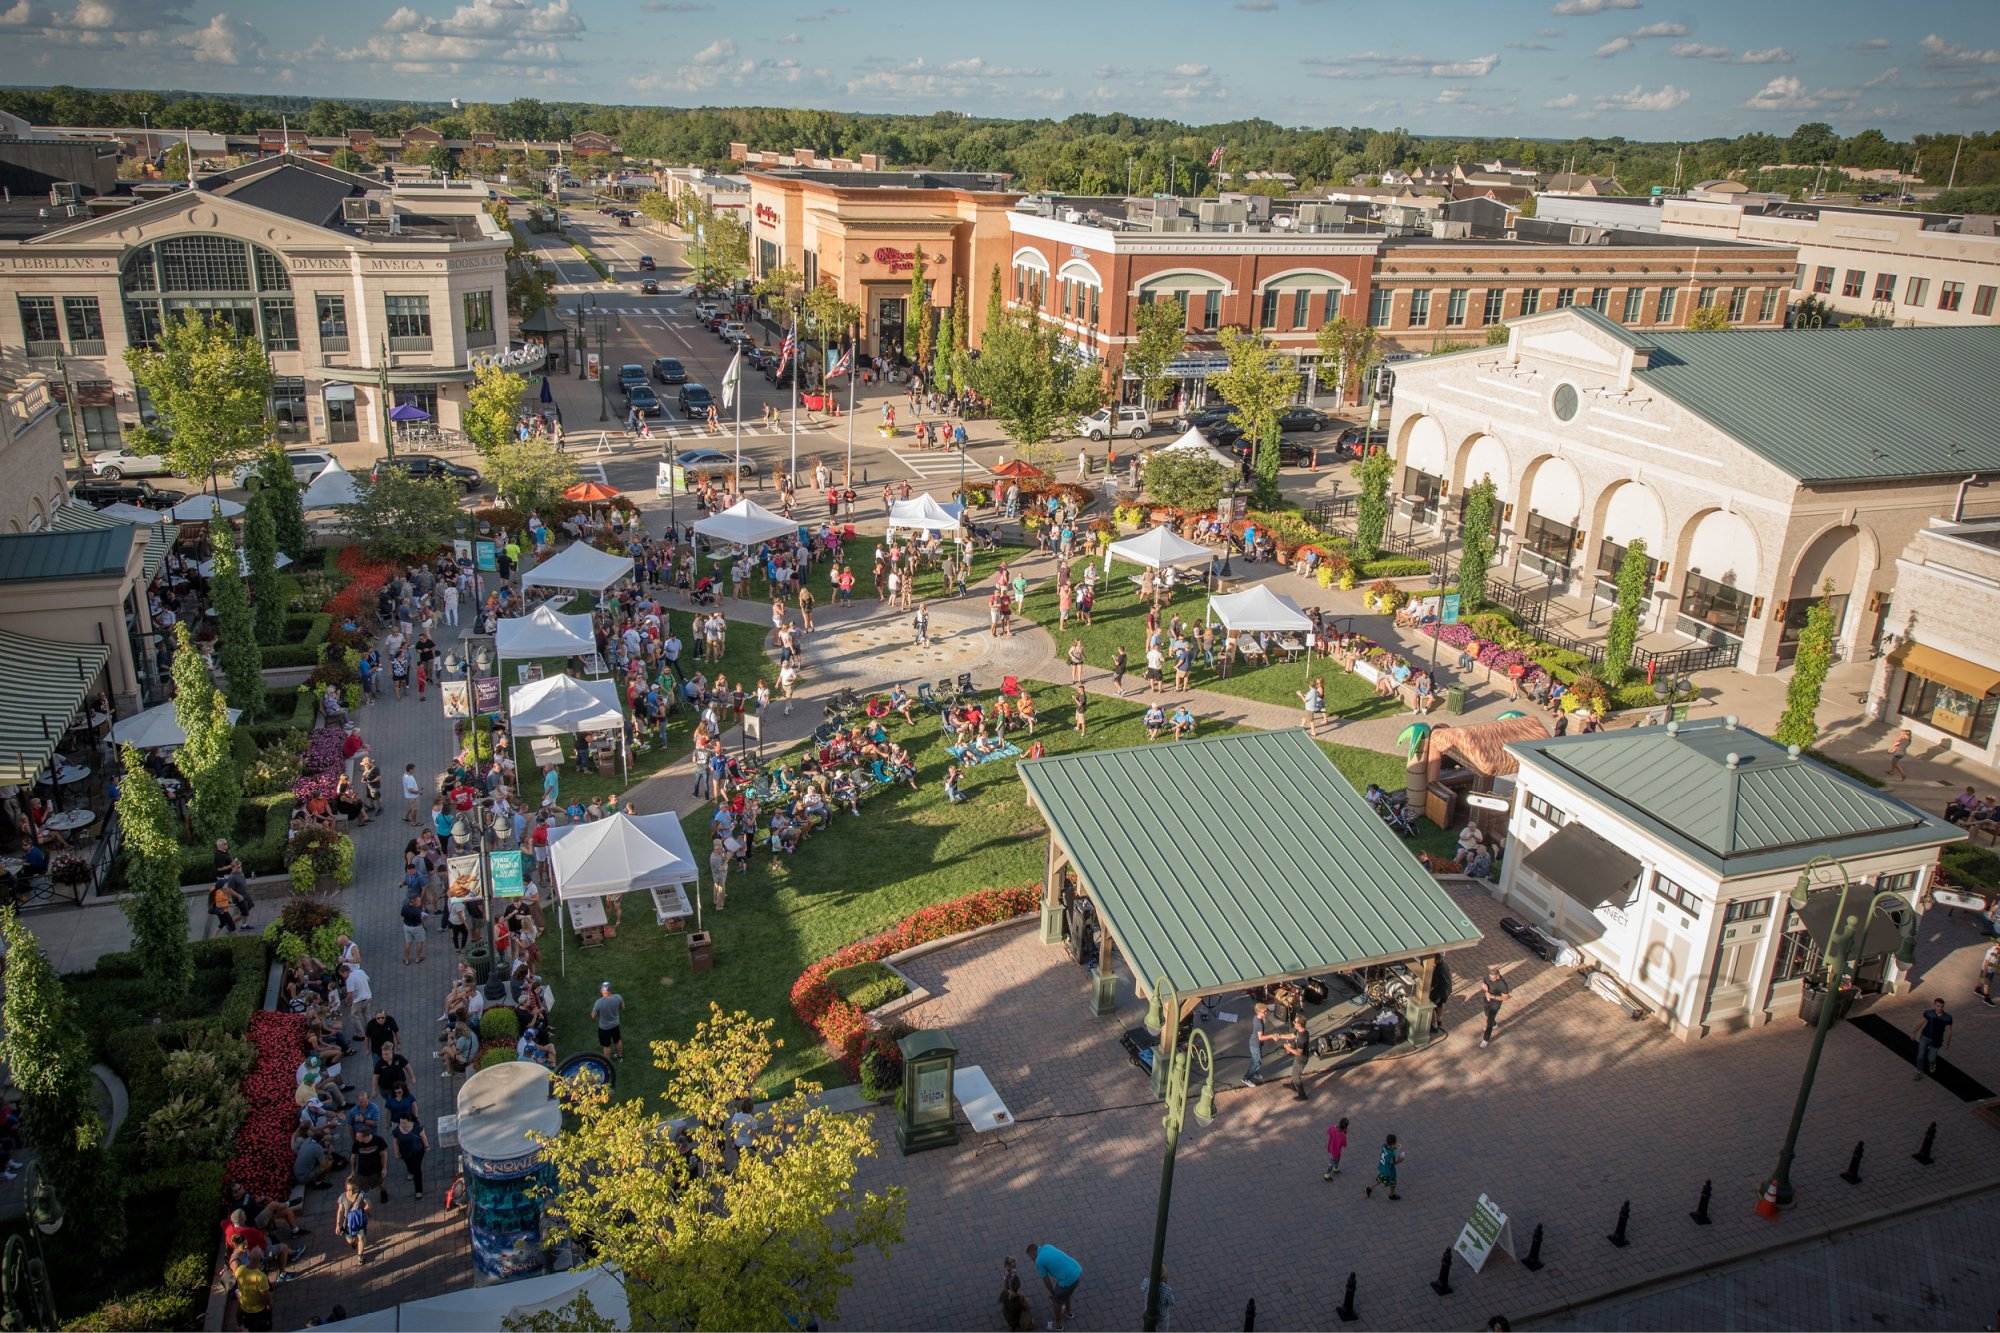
1156, 719
1183, 721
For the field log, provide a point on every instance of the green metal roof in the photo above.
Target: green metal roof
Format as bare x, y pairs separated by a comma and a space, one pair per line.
1230, 862
1607, 325
40, 692
73, 517
83, 554
1731, 799
1842, 404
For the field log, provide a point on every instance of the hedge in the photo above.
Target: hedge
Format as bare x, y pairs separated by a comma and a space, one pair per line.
289, 709
261, 825
499, 1025
1971, 867
841, 1025
1393, 567
304, 637
867, 985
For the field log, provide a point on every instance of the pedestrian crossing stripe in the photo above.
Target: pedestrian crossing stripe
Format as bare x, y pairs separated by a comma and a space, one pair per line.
939, 465
593, 471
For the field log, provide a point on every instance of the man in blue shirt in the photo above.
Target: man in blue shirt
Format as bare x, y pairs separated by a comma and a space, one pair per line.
1060, 1274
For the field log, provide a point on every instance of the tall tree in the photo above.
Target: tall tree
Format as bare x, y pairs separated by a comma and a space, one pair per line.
713, 1227
207, 758
1710, 318
1160, 336
961, 334
282, 498
941, 369
210, 387
1258, 384
155, 907
1475, 544
1799, 725
493, 406
1179, 479
260, 545
1623, 633
1350, 345
1371, 506
1037, 386
917, 325
397, 516
530, 473
236, 648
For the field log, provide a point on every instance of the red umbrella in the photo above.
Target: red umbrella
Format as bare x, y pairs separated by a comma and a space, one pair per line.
1014, 467
590, 492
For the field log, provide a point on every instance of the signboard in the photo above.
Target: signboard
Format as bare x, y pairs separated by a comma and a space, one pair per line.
461, 550
462, 877
1486, 1230
672, 479
591, 368
507, 879
457, 696
486, 694
1449, 614
1970, 902
489, 557
1480, 800
933, 1093
753, 728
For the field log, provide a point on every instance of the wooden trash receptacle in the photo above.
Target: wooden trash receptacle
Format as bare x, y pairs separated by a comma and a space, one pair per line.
701, 951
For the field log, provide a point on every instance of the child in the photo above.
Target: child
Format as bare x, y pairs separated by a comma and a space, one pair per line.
1385, 1168
922, 624
951, 781
1336, 1144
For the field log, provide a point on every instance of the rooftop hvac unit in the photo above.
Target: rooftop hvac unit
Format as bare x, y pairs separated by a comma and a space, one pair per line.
395, 223
354, 210
65, 192
1071, 215
1284, 222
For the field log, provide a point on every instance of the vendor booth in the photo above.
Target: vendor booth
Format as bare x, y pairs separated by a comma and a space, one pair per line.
1259, 610
204, 509
924, 514
745, 523
1470, 759
580, 567
562, 705
333, 488
619, 854
545, 632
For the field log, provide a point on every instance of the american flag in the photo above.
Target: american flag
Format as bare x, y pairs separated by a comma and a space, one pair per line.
789, 346
1215, 158
842, 363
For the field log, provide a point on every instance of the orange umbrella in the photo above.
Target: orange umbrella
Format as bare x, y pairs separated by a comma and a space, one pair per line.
1014, 467
590, 492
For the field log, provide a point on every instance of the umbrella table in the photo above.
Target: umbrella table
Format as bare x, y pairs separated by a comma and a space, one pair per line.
408, 412
590, 492
1014, 467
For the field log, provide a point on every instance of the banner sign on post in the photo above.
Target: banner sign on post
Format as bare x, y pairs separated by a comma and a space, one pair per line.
461, 549
486, 694
1485, 1231
457, 698
462, 876
489, 557
664, 483
1449, 614
507, 880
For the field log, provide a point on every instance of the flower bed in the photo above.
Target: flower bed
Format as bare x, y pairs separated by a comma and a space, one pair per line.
365, 579
321, 765
263, 1157
841, 1025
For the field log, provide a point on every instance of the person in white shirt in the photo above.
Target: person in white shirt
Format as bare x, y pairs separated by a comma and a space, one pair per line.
413, 793
360, 998
451, 603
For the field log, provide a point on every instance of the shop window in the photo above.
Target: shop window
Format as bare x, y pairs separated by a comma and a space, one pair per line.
1496, 304
1546, 544
418, 395
1421, 492
1420, 308
1768, 311
1885, 287
409, 323
1716, 606
1823, 279
288, 403
1951, 711
1794, 626
1950, 295
1610, 555
1917, 292
1850, 282
1545, 812
1635, 304
1454, 307
1531, 301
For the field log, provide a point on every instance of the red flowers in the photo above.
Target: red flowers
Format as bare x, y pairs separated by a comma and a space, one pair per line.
365, 577
263, 1157
844, 1027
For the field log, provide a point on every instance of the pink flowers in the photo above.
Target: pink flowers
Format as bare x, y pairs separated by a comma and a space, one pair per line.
263, 1157
320, 765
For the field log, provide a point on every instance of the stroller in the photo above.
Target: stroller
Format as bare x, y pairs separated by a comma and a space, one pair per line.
703, 592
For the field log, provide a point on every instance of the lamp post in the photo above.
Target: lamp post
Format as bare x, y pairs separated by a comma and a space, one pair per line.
1847, 936
598, 316
1162, 1008
477, 657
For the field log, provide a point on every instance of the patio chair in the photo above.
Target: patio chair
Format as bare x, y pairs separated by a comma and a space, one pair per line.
927, 696
946, 690
1010, 687
965, 685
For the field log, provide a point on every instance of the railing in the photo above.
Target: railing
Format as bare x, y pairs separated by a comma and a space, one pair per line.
1528, 605
1686, 661
1591, 652
1705, 632
1339, 506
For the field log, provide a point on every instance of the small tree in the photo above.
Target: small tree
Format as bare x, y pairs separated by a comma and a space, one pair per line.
1710, 318
1371, 506
346, 159
493, 406
530, 473
283, 500
1038, 386
1259, 384
155, 907
1798, 726
941, 368
1350, 345
1496, 335
236, 648
1160, 333
1623, 633
260, 546
1186, 479
210, 387
175, 165
961, 335
1475, 538
917, 325
707, 1230
397, 516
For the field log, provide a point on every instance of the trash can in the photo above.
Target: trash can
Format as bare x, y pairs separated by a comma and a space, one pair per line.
701, 951
1454, 699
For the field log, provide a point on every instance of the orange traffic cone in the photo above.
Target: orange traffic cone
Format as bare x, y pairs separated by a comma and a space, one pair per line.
1767, 1206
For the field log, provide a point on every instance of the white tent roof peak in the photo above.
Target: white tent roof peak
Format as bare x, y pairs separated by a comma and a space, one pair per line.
745, 523
1194, 442
925, 514
559, 705
155, 729
578, 565
1160, 548
1258, 608
333, 488
545, 632
620, 853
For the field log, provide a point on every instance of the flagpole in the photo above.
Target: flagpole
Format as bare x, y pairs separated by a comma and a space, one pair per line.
853, 374
792, 470
736, 391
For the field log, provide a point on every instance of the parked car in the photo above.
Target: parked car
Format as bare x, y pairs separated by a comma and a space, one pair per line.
144, 494
115, 464
629, 374
1205, 418
710, 460
729, 331
1355, 439
1223, 433
759, 358
667, 370
430, 465
649, 287
641, 399
695, 400
715, 322
306, 464
646, 263
705, 310
1107, 422
1303, 418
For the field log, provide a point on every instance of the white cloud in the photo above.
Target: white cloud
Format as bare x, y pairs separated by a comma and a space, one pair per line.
977, 66
1614, 47
223, 41
715, 52
1770, 55
1256, 6
1886, 77
1451, 96
675, 6
1190, 71
1563, 103
1664, 98
501, 38
1591, 6
1698, 51
1662, 30
1548, 32
1872, 44
1786, 93
1938, 51
828, 14
1376, 64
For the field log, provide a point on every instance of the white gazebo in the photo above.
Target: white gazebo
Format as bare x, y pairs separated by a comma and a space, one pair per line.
924, 514
1194, 442
1259, 610
545, 632
156, 729
333, 488
205, 509
745, 523
562, 705
625, 852
578, 566
1158, 548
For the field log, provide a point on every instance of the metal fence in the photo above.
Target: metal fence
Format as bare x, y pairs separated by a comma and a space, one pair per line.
1685, 661
1529, 605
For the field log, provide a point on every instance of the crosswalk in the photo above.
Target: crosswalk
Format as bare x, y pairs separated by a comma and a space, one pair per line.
593, 471
940, 464
687, 431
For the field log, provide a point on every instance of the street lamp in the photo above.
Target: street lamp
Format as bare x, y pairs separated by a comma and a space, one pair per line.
478, 657
1163, 1007
1841, 946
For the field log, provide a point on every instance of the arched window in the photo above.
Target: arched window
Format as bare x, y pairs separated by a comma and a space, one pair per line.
1031, 276
1079, 291
1300, 298
243, 285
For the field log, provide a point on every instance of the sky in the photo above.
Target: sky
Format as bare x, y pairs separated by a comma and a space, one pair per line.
1645, 69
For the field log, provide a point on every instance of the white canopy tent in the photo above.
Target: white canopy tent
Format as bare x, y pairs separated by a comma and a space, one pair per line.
333, 488
544, 632
925, 514
484, 1308
1193, 441
133, 514
207, 567
155, 729
1259, 609
625, 852
1158, 548
745, 523
581, 566
205, 508
562, 705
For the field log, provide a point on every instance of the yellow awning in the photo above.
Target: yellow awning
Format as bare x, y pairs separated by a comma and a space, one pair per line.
1961, 675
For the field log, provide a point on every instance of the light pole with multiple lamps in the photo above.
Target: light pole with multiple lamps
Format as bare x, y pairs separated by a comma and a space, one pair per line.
1163, 1008
1846, 938
474, 828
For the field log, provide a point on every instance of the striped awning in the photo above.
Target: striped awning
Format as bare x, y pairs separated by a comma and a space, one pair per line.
74, 517
41, 692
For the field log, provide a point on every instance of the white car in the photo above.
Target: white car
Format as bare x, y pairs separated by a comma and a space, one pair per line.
711, 460
117, 464
306, 464
1131, 422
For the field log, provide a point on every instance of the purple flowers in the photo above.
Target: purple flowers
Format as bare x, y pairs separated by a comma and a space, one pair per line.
1489, 655
321, 764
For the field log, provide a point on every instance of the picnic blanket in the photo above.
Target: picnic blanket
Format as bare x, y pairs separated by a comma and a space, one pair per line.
966, 754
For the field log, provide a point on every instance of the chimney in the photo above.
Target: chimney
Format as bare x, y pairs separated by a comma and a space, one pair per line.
802, 157
871, 161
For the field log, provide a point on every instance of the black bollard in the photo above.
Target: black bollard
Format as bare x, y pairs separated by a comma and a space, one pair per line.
1700, 1214
1443, 1284
1533, 1263
1923, 1153
1852, 1175
1617, 1237
1250, 1316
1348, 1314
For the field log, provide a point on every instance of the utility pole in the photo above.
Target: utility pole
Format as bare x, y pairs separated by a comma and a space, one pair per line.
382, 397
74, 409
1954, 163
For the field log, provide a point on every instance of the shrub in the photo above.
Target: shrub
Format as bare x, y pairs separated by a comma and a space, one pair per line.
275, 765
300, 647
500, 1025
499, 1055
263, 1157
881, 1071
1971, 867
867, 985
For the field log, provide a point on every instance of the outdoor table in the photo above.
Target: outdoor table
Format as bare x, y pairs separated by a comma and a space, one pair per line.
69, 821
13, 865
547, 752
984, 1110
70, 774
587, 915
1291, 648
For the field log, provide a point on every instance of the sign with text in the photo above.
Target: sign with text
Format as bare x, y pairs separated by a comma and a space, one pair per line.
462, 877
486, 694
1449, 612
461, 550
489, 557
1480, 800
672, 480
508, 881
1485, 1231
457, 696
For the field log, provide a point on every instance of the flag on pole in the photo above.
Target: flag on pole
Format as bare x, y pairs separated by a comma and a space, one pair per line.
1215, 158
732, 380
842, 363
789, 346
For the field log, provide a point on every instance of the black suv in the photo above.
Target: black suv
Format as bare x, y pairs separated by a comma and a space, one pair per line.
1303, 418
645, 263
430, 465
667, 370
1355, 438
694, 402
1206, 419
97, 494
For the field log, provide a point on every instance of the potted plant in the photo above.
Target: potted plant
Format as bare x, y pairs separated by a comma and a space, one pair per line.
321, 860
70, 870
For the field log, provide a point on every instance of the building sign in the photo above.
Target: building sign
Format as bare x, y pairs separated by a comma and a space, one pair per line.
1480, 800
767, 215
486, 694
896, 261
525, 357
1485, 1231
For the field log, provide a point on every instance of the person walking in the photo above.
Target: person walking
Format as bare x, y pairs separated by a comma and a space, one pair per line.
413, 793
1118, 663
1080, 700
921, 624
1314, 700
411, 1145
1387, 1168
609, 1011
1493, 993
1061, 1275
351, 1215
1988, 965
1076, 662
1299, 1046
1258, 1019
1336, 1144
1933, 1035
1899, 747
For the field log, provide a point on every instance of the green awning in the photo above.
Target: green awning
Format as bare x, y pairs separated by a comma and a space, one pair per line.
41, 692
1584, 866
74, 517
1229, 863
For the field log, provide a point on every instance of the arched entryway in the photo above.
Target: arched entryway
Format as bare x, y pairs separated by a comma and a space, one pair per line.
1550, 518
1627, 512
1422, 487
1719, 552
1830, 567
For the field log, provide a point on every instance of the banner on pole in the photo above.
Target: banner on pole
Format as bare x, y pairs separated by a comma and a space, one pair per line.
489, 557
457, 698
507, 877
486, 694
462, 877
461, 549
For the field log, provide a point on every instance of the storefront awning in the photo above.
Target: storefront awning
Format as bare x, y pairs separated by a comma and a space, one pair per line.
1584, 866
1957, 673
366, 375
40, 693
